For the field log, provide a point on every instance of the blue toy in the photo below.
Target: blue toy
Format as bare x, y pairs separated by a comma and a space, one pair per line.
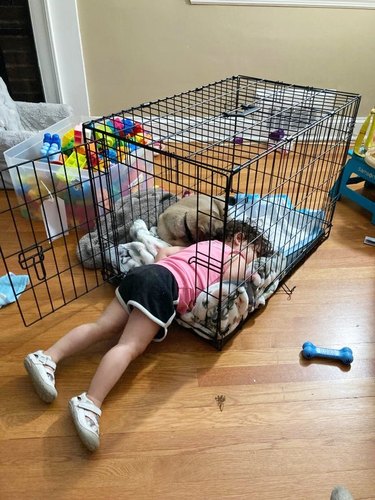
111, 154
51, 146
345, 355
55, 148
47, 140
128, 126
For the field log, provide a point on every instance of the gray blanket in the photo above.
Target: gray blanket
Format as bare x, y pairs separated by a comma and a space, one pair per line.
115, 227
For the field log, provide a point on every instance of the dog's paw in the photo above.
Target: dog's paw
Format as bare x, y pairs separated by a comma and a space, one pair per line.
154, 231
137, 226
153, 244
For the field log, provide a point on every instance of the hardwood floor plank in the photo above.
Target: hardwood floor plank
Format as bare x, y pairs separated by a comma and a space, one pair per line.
288, 429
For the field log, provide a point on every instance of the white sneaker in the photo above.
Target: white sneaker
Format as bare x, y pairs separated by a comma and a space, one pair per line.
41, 369
85, 416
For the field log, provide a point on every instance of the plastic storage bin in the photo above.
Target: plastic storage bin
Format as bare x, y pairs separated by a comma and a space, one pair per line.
30, 149
36, 179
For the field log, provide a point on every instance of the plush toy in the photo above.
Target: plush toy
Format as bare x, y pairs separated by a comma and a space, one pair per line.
146, 205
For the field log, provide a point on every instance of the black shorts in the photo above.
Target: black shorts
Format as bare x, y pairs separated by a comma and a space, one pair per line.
154, 291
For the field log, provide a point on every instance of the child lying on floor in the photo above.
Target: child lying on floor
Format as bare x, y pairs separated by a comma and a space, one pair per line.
146, 302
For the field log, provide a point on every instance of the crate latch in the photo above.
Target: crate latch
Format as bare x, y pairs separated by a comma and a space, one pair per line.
33, 257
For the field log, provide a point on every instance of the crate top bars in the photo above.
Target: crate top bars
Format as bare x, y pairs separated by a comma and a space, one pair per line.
237, 110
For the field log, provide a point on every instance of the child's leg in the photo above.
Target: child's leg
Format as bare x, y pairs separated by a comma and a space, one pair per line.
85, 408
138, 333
41, 365
110, 323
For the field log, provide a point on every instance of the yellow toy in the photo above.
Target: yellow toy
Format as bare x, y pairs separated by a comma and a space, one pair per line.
76, 160
67, 141
366, 136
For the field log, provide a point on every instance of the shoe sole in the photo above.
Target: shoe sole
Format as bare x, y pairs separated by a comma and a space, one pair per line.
46, 393
87, 438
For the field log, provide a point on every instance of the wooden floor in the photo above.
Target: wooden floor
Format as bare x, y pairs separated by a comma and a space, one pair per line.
254, 421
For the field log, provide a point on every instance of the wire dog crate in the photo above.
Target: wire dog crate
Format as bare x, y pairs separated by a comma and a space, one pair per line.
256, 151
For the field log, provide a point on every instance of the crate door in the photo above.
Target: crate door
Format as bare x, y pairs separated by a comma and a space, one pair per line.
40, 229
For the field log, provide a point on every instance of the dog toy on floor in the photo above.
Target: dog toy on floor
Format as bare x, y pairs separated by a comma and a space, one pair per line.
345, 355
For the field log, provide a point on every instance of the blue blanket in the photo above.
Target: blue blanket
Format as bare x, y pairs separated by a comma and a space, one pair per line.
11, 286
287, 228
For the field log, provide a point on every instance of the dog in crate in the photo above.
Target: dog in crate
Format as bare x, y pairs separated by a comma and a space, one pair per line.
193, 218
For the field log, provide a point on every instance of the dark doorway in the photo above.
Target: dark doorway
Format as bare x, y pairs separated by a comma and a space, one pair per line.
18, 59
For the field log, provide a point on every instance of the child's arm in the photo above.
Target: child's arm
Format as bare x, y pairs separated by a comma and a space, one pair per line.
236, 270
166, 252
240, 264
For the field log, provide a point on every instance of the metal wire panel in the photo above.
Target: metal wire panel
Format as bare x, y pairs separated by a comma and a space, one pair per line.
276, 148
269, 153
46, 253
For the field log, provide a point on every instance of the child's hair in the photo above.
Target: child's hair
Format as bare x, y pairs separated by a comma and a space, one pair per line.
250, 233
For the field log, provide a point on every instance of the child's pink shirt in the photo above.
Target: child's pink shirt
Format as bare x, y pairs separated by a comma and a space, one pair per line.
195, 268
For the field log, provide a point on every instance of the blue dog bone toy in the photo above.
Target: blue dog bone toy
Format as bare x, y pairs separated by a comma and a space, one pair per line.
345, 355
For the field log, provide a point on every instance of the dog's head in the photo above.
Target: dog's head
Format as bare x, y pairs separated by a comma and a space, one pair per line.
201, 226
191, 219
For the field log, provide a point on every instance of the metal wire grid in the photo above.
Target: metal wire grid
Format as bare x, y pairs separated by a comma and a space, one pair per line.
48, 257
216, 140
205, 122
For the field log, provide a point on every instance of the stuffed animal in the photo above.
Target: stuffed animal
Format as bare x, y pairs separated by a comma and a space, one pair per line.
194, 218
115, 227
